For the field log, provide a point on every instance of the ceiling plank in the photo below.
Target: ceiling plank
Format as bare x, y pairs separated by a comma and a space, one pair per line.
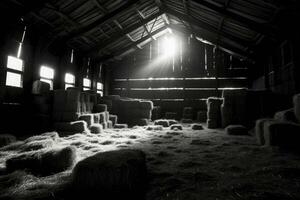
125, 31
130, 4
258, 27
133, 45
206, 26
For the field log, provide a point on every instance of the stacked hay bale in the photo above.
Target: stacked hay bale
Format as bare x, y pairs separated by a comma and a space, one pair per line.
41, 105
187, 113
156, 113
135, 112
112, 102
214, 112
234, 107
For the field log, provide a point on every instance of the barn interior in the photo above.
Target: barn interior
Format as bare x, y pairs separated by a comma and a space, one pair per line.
149, 99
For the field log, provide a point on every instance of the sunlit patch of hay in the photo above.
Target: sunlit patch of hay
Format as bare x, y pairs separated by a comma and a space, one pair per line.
107, 142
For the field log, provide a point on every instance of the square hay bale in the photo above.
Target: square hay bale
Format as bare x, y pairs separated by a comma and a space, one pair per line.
170, 115
120, 174
162, 122
286, 115
96, 118
120, 126
283, 134
106, 116
176, 127
6, 139
113, 118
236, 130
73, 127
96, 128
109, 124
233, 96
172, 121
296, 101
104, 125
228, 115
142, 122
201, 116
112, 97
100, 108
142, 113
88, 118
146, 105
40, 87
156, 113
44, 162
102, 117
197, 127
259, 130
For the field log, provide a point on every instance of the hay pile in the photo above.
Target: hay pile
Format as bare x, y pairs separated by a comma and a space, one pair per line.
111, 175
213, 112
234, 107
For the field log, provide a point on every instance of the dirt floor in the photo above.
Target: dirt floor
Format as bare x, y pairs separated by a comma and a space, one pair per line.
204, 164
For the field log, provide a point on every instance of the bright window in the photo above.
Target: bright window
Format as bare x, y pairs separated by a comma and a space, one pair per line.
69, 80
13, 79
47, 75
14, 75
86, 84
100, 88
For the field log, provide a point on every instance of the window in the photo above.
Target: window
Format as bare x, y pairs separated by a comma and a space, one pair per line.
86, 84
14, 75
47, 75
69, 80
100, 88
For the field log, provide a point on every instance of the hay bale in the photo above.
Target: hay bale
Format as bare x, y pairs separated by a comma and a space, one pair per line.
111, 175
142, 122
120, 126
212, 124
172, 121
59, 100
176, 127
15, 146
40, 87
286, 115
106, 115
112, 97
96, 128
109, 124
296, 101
6, 139
170, 115
146, 105
283, 134
228, 115
104, 125
259, 130
88, 118
197, 127
96, 118
100, 108
156, 113
236, 130
37, 145
53, 135
142, 113
113, 118
102, 116
154, 128
201, 116
43, 162
162, 122
73, 127
186, 121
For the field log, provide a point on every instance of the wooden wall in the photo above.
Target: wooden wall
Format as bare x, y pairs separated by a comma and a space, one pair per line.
199, 72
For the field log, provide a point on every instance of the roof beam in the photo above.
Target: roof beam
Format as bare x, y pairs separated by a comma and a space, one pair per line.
130, 4
205, 26
133, 45
260, 28
142, 17
125, 31
223, 45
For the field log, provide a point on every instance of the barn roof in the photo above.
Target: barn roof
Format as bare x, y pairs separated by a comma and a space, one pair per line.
103, 29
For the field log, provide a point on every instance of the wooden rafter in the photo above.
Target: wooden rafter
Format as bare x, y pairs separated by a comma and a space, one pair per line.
125, 31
